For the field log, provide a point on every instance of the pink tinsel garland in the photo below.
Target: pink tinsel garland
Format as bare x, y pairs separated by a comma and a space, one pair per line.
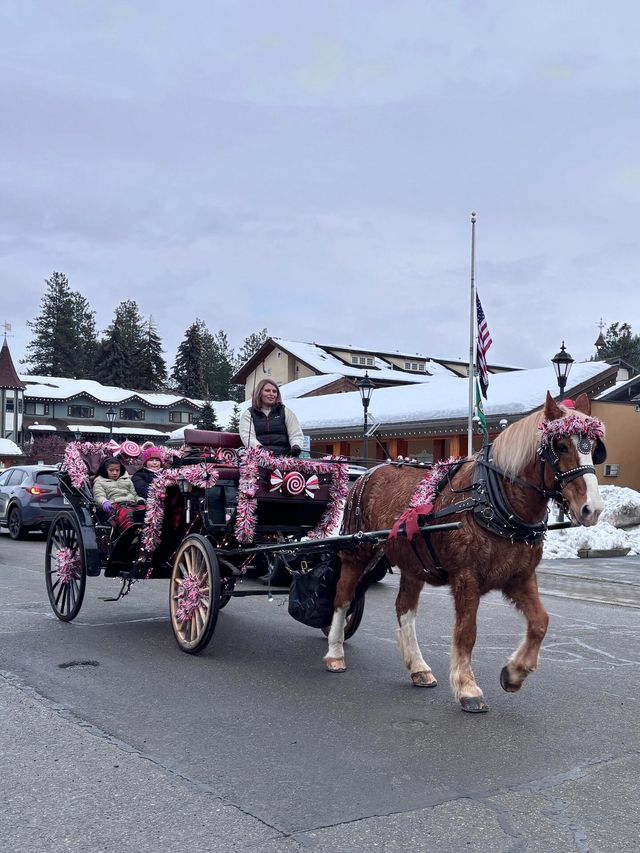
68, 565
421, 503
202, 476
258, 457
572, 424
189, 596
77, 469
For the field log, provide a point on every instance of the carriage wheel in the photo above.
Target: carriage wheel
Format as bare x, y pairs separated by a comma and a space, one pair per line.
194, 594
354, 618
65, 572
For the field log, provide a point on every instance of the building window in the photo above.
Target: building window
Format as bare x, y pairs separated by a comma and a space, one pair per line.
370, 362
279, 354
131, 414
180, 417
362, 360
9, 404
20, 406
80, 411
36, 408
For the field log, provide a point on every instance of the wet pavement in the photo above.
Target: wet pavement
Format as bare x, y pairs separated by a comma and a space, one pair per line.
610, 580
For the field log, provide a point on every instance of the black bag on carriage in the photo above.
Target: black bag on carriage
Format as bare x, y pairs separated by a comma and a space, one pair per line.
312, 592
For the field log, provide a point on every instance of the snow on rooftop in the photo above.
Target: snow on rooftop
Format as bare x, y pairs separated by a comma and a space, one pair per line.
60, 388
299, 387
440, 398
324, 362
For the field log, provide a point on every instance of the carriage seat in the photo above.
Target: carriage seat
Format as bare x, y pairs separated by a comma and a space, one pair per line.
211, 438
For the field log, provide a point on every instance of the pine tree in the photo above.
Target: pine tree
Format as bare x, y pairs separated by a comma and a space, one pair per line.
620, 342
221, 367
234, 420
86, 337
187, 371
52, 350
153, 368
250, 347
118, 353
208, 418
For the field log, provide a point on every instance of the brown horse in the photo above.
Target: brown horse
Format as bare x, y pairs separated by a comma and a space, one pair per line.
501, 496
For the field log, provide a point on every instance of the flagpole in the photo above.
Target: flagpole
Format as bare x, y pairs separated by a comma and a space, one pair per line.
472, 336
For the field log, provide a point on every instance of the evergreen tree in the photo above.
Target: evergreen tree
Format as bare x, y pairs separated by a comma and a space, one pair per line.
153, 368
52, 350
187, 371
86, 337
207, 418
118, 354
222, 367
621, 343
250, 347
234, 420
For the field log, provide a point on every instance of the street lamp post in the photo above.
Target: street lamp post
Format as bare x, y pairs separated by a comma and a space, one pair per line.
562, 362
111, 416
365, 386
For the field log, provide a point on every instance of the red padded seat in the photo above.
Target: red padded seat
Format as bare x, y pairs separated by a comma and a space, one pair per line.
210, 438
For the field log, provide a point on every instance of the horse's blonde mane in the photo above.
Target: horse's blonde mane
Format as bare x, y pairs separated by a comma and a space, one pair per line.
516, 447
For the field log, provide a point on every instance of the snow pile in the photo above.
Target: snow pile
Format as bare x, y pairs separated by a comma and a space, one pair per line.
621, 510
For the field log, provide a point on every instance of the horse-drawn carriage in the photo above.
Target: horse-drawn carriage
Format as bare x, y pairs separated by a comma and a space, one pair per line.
218, 519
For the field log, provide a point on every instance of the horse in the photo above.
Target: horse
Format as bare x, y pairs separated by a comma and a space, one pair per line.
501, 496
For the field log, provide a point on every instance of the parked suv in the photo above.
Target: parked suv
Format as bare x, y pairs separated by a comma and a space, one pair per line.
30, 497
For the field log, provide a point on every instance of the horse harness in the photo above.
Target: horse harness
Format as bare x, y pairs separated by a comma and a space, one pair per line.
487, 499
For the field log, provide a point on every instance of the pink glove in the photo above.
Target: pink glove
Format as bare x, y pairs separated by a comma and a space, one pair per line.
107, 506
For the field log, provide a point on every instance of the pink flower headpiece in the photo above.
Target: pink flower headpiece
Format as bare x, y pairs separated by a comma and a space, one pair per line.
572, 424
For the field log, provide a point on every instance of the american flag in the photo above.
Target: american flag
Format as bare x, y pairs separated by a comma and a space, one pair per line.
484, 342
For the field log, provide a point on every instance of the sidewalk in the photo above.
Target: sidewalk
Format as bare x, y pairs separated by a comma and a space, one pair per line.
614, 580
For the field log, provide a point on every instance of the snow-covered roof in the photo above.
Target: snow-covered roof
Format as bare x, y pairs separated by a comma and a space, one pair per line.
42, 428
316, 357
300, 387
9, 448
223, 412
93, 429
440, 398
61, 388
614, 392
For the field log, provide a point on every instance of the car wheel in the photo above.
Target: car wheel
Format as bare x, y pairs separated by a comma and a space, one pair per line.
17, 530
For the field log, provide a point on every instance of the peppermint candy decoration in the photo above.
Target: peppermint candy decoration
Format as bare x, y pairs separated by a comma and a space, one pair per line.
311, 485
130, 448
227, 456
294, 483
276, 480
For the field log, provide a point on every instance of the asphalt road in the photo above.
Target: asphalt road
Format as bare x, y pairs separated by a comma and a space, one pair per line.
113, 739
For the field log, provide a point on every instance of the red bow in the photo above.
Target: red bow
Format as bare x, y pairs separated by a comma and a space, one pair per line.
411, 520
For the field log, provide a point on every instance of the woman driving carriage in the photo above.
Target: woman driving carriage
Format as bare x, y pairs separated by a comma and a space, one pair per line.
269, 423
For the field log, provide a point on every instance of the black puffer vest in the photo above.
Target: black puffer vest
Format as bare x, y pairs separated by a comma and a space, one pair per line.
271, 430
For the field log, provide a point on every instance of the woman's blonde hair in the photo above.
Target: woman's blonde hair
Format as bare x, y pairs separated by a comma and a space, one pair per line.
256, 397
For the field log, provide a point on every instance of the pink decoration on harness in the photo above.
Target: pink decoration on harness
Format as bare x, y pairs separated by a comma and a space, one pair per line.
422, 500
68, 565
592, 428
189, 597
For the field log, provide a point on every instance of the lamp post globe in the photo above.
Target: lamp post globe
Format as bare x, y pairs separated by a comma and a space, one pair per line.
365, 387
562, 363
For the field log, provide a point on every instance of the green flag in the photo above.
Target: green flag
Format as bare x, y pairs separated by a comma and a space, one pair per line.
480, 410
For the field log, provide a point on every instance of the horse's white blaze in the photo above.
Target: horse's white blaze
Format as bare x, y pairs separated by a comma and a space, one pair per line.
336, 633
408, 642
593, 503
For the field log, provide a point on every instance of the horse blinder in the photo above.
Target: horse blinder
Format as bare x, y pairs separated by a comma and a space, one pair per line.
599, 454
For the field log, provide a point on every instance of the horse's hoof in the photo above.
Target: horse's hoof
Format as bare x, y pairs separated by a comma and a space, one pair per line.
506, 683
335, 665
474, 704
423, 679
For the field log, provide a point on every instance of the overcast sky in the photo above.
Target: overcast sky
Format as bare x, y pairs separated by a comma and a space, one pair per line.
311, 166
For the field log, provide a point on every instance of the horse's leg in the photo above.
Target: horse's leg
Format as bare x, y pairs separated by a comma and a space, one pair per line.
463, 683
524, 594
350, 574
406, 611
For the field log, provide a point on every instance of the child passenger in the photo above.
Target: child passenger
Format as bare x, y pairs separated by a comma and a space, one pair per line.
113, 485
152, 462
